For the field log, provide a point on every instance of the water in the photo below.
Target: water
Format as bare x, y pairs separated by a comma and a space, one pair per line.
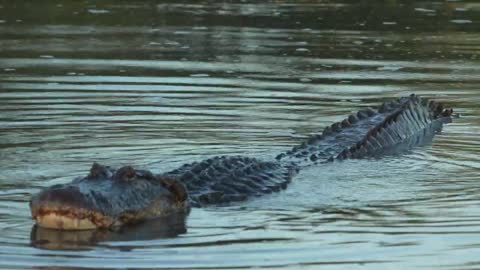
160, 84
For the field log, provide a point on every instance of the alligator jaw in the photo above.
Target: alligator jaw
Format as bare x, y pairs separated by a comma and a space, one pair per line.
67, 218
54, 221
59, 222
65, 207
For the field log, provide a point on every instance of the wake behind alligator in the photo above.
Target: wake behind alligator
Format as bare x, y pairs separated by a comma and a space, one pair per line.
108, 198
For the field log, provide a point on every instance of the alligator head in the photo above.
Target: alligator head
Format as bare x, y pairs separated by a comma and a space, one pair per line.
108, 198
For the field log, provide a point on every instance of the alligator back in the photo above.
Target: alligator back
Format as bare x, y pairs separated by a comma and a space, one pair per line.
404, 122
229, 179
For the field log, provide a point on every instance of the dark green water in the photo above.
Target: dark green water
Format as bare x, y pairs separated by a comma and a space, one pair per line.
157, 84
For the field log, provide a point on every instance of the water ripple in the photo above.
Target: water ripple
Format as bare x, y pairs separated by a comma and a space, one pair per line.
159, 85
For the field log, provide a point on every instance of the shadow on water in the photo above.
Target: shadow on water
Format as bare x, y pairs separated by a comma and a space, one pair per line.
88, 239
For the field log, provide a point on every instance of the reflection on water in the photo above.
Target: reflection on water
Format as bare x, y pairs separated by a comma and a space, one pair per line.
160, 84
87, 239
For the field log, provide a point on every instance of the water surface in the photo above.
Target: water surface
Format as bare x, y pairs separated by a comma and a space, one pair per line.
157, 85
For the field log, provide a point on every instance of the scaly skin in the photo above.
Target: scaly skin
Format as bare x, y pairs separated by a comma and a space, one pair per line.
109, 198
367, 133
221, 180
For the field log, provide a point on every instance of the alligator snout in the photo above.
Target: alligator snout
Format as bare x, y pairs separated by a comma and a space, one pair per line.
66, 207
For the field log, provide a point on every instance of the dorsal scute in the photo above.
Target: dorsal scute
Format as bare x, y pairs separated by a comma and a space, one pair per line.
345, 123
356, 118
352, 119
391, 121
414, 115
366, 144
231, 178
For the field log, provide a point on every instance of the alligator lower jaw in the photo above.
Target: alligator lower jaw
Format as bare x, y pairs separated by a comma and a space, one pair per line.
54, 221
69, 219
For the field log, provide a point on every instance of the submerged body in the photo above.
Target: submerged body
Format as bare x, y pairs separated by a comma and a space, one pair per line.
109, 198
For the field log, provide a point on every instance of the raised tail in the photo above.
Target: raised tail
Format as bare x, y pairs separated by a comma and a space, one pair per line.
399, 124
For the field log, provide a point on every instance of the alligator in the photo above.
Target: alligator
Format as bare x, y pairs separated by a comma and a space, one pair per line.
109, 198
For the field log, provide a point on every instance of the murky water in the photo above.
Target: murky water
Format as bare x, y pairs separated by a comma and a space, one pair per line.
160, 84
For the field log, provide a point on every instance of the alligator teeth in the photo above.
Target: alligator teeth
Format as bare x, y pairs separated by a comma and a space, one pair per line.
59, 222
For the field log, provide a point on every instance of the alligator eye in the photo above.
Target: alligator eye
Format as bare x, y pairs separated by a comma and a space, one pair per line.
145, 174
126, 173
98, 171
